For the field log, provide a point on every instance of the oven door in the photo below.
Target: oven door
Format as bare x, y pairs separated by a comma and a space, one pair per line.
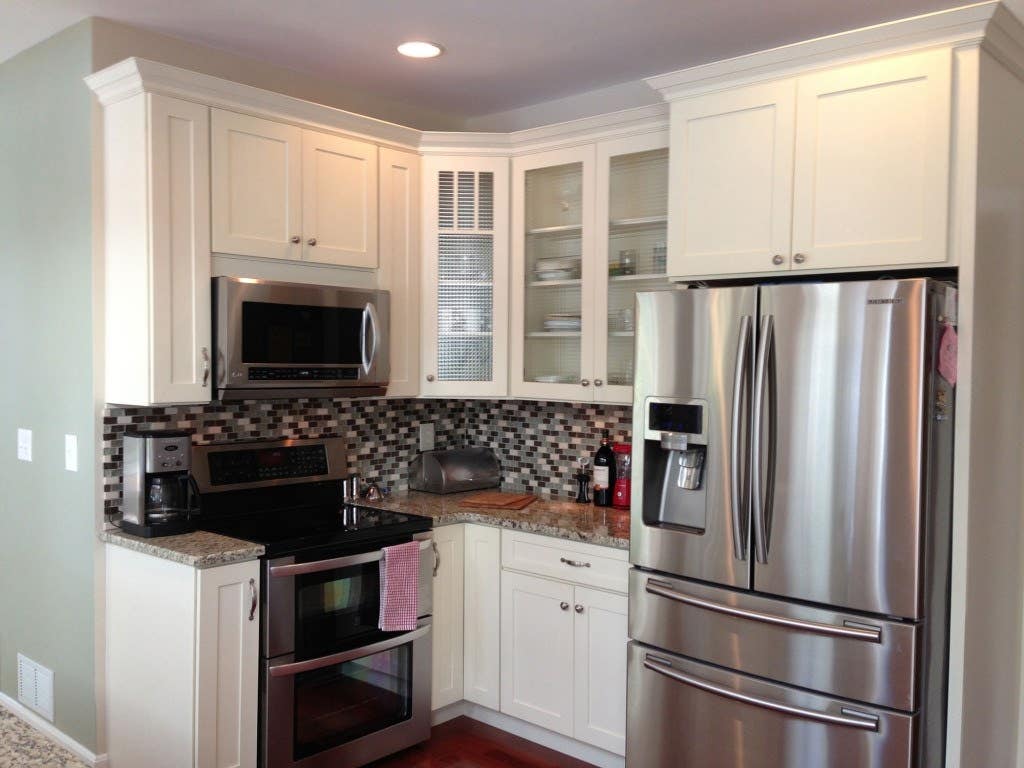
314, 607
347, 709
288, 336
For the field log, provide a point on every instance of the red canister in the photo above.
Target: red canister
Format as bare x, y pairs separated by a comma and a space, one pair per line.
623, 463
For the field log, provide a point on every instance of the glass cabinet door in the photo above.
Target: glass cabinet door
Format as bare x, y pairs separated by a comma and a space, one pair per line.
465, 343
553, 265
632, 213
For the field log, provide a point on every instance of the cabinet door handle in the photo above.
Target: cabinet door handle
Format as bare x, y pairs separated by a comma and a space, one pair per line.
575, 563
437, 556
799, 258
563, 605
311, 241
585, 382
598, 382
579, 608
295, 239
255, 600
430, 377
777, 259
206, 366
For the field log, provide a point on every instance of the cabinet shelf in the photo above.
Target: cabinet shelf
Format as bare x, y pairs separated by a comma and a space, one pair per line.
553, 334
622, 334
554, 283
648, 277
640, 222
559, 229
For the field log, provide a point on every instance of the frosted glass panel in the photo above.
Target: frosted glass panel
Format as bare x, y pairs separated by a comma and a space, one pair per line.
637, 213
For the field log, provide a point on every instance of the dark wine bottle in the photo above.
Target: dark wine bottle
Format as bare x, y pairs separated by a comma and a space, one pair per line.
604, 473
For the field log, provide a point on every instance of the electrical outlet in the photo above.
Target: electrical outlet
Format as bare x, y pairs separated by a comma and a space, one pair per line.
71, 453
35, 686
427, 436
25, 444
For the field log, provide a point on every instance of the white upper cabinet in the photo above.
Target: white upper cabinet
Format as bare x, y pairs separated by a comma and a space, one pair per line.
339, 200
283, 192
465, 277
844, 168
871, 186
157, 213
257, 186
400, 268
731, 172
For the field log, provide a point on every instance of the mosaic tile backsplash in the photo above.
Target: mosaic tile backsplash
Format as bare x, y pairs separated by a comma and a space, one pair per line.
536, 442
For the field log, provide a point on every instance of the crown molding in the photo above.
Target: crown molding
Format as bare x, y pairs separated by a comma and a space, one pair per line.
958, 26
134, 76
627, 122
1004, 40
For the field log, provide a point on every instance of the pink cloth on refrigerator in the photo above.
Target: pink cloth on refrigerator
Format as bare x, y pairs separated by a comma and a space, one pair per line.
399, 587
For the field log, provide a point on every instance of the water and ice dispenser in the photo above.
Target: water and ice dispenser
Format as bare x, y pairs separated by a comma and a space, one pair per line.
675, 463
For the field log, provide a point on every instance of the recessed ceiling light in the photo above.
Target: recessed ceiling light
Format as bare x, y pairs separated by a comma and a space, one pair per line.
420, 49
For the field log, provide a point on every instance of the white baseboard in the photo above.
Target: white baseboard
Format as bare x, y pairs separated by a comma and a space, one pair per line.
556, 741
85, 755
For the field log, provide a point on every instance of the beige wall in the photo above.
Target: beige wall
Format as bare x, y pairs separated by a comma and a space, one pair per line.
113, 42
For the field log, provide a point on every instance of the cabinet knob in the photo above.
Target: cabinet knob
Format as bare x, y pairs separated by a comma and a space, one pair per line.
430, 377
799, 258
598, 382
255, 600
585, 382
777, 259
311, 241
295, 239
579, 608
564, 605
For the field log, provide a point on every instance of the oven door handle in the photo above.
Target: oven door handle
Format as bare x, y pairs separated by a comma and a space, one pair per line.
369, 314
289, 670
298, 569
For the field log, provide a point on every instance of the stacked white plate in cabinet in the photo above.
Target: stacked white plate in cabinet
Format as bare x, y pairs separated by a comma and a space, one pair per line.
561, 268
563, 321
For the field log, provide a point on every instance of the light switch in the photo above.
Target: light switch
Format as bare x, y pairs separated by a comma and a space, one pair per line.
25, 444
427, 436
71, 453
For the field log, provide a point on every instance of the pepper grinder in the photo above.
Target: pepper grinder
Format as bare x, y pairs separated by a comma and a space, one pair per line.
583, 481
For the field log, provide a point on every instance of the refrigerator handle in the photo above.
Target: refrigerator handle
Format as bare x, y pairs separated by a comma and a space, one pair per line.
740, 387
764, 347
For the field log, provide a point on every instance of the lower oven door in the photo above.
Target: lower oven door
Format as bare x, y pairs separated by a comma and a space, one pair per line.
685, 713
349, 708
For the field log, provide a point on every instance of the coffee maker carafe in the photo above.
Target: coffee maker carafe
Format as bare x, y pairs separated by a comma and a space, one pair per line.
158, 498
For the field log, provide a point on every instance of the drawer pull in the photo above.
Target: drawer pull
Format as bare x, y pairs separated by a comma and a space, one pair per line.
859, 632
575, 563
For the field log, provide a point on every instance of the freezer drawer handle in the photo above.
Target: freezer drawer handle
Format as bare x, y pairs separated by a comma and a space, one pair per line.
849, 718
298, 569
873, 635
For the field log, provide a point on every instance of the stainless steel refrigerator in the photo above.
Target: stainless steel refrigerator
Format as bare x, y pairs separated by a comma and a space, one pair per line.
791, 526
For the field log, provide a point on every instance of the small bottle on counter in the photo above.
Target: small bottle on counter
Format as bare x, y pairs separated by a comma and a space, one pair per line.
604, 473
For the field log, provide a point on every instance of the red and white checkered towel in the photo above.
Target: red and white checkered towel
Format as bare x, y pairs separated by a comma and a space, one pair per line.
399, 587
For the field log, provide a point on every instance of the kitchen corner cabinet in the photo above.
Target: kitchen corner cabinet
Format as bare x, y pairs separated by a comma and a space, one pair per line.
157, 232
465, 274
399, 272
447, 627
284, 192
197, 646
588, 231
482, 614
844, 168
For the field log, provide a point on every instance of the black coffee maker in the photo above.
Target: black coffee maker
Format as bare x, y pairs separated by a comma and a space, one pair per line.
158, 497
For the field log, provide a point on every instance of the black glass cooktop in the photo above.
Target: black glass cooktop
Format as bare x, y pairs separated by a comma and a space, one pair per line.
285, 531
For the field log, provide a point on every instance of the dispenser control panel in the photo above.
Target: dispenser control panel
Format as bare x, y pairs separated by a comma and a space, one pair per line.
677, 417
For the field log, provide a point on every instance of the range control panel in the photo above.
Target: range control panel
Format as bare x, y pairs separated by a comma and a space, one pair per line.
255, 464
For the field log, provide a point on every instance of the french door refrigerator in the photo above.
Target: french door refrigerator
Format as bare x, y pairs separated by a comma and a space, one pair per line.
790, 532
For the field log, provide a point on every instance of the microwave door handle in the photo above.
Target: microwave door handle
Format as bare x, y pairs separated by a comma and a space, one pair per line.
300, 569
369, 318
289, 670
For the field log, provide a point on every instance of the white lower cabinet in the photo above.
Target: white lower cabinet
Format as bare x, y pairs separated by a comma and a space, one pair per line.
182, 662
482, 615
446, 680
599, 668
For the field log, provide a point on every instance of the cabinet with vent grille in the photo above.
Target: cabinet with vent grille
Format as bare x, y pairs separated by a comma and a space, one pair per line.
465, 277
588, 232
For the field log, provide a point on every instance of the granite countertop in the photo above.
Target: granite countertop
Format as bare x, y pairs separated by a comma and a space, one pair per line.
200, 549
562, 519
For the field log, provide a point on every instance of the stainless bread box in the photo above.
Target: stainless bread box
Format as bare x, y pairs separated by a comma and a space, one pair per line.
458, 469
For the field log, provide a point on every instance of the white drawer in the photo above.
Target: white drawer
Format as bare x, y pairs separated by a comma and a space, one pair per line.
587, 564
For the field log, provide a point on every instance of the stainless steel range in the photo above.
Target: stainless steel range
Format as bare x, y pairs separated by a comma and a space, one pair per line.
334, 689
790, 531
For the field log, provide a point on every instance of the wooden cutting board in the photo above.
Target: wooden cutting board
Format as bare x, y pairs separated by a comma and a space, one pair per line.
499, 500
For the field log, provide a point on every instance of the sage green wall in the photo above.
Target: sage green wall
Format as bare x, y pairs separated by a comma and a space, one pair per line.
47, 514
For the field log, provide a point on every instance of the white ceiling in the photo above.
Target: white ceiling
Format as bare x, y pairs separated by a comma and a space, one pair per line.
501, 54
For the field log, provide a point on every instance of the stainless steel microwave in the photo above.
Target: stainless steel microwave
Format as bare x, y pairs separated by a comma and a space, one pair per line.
291, 340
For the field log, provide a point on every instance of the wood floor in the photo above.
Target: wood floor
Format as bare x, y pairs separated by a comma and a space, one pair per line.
466, 743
